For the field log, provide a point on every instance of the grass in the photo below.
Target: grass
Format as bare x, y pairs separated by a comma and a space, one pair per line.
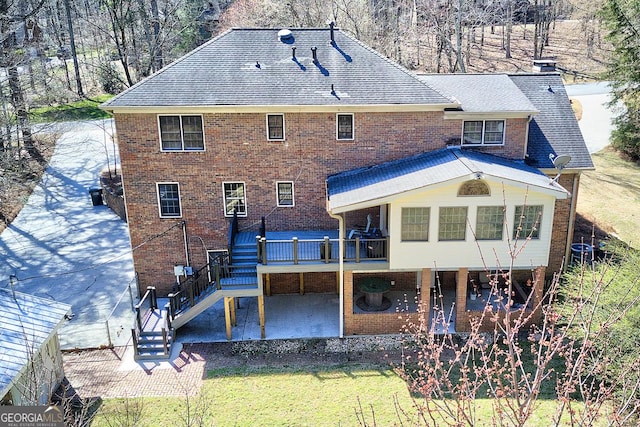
313, 396
610, 196
300, 396
86, 109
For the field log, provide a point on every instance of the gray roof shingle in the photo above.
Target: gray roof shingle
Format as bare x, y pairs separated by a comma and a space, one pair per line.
389, 179
27, 322
482, 93
555, 129
249, 67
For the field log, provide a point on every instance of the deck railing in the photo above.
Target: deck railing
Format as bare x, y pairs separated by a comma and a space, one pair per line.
147, 304
321, 250
207, 280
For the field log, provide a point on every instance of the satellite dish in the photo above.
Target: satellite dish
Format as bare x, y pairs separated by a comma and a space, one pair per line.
559, 162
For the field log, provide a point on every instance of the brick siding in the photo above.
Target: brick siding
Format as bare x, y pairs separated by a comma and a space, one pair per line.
237, 150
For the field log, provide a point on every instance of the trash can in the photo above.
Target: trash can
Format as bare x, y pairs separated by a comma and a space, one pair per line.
581, 252
96, 196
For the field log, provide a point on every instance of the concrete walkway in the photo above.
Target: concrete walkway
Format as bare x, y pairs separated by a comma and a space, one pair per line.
61, 247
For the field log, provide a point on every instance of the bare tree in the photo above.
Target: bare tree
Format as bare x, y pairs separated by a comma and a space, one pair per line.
515, 361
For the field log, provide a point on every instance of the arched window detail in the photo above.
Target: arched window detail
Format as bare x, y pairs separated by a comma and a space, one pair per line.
475, 187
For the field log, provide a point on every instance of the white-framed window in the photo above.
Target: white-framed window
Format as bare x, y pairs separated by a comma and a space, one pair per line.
181, 133
415, 224
169, 199
284, 193
526, 222
275, 127
235, 199
344, 126
483, 132
489, 222
452, 223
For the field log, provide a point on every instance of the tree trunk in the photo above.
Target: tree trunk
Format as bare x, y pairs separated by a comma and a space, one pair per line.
508, 29
72, 42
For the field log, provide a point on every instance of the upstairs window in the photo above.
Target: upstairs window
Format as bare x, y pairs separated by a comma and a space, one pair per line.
483, 132
275, 127
415, 224
169, 199
344, 124
453, 223
284, 190
181, 133
234, 198
527, 222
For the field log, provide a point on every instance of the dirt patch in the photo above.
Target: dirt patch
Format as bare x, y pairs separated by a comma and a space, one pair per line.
568, 46
19, 175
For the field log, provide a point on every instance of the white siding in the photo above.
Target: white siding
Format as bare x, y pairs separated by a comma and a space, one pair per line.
447, 255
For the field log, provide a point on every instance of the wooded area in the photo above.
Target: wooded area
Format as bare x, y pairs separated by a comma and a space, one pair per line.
54, 52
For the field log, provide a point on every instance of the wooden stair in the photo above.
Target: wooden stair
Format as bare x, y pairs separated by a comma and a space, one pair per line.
155, 338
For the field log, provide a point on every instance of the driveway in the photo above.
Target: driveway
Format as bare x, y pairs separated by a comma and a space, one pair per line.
595, 124
61, 247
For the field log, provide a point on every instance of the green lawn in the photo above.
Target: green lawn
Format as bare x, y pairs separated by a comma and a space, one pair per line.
296, 397
79, 110
609, 197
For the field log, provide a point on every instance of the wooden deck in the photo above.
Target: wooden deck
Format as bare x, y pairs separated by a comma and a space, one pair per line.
310, 248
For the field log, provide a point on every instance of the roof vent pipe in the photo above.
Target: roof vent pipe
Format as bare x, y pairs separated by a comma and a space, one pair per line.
314, 52
331, 25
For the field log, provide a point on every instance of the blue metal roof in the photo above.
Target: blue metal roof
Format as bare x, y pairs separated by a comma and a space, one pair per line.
27, 323
367, 185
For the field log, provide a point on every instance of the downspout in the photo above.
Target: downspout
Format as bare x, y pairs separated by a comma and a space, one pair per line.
341, 267
526, 136
186, 246
572, 219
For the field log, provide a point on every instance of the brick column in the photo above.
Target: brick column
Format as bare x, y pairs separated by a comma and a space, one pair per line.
425, 295
538, 290
348, 303
461, 300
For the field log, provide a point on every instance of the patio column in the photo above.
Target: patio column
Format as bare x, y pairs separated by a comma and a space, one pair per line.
538, 290
462, 320
261, 316
227, 316
425, 295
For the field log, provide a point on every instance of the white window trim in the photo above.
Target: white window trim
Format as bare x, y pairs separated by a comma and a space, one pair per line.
158, 184
293, 198
353, 127
483, 144
224, 199
182, 150
402, 224
284, 127
465, 224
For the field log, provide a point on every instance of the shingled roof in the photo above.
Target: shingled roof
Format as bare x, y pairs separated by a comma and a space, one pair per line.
28, 322
555, 129
253, 67
482, 93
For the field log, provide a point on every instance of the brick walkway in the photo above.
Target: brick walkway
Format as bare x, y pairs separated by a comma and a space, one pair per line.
113, 373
